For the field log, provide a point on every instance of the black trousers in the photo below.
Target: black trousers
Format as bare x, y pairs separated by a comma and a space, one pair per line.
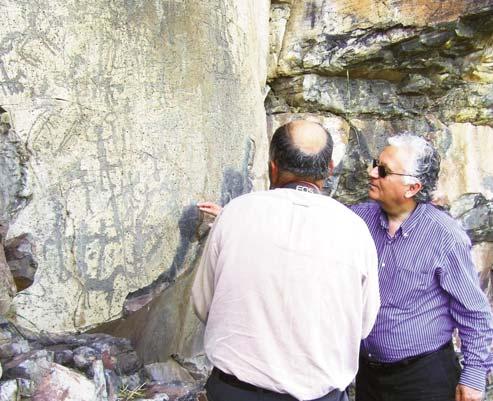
433, 377
218, 390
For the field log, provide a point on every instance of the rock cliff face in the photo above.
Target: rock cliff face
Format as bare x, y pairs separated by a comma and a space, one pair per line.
117, 117
381, 68
122, 116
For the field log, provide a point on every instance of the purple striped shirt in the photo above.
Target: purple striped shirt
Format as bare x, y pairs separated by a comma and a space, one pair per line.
428, 287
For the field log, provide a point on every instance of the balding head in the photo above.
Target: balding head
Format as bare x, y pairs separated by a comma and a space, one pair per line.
302, 148
306, 136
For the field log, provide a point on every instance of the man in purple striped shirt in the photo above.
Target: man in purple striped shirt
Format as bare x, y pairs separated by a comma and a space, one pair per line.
428, 288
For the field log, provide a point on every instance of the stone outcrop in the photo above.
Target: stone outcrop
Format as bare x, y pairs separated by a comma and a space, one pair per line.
122, 117
383, 68
475, 214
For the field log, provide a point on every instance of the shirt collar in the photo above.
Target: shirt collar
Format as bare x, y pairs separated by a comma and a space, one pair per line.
409, 223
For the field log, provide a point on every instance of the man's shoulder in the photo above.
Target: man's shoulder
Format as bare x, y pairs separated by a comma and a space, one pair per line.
444, 224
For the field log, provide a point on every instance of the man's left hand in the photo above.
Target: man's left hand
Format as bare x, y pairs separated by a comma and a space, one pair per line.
464, 393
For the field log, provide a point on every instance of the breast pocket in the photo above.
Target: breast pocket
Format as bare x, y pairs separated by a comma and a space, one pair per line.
407, 287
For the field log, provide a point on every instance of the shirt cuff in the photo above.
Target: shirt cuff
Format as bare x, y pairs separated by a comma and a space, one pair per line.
473, 377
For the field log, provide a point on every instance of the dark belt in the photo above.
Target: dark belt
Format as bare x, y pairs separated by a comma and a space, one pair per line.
235, 382
403, 362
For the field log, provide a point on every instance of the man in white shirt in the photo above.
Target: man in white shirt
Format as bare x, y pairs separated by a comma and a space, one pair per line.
288, 283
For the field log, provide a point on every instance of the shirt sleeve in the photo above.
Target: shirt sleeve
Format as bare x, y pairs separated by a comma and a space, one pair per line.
371, 293
203, 286
470, 309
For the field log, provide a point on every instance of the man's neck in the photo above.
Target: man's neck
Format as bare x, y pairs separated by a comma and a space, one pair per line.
286, 179
398, 214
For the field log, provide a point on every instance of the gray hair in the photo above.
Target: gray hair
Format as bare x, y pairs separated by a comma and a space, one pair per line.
424, 164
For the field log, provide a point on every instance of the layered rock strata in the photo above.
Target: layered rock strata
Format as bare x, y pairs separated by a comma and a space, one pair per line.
382, 68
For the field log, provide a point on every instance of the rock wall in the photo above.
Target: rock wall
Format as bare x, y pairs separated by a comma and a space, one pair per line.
371, 69
118, 117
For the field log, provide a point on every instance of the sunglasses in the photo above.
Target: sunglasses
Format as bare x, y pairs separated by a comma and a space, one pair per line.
384, 171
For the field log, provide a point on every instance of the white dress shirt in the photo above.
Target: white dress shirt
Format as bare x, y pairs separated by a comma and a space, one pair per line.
287, 287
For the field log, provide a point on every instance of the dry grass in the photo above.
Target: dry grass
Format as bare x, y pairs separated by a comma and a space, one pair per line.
127, 394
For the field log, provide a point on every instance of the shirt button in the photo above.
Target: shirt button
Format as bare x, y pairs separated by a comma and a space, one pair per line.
369, 355
406, 234
383, 264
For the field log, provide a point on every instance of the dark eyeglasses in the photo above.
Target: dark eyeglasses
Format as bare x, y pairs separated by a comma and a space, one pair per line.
383, 171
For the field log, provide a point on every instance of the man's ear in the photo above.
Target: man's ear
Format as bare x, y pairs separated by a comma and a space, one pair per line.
331, 168
273, 173
413, 189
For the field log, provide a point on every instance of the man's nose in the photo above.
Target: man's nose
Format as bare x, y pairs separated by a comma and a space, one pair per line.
373, 172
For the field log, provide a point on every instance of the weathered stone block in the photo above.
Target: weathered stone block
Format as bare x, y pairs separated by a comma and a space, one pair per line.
466, 161
32, 365
167, 372
19, 253
9, 391
62, 383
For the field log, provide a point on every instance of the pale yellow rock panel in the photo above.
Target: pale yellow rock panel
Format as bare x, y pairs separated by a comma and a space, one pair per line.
467, 164
131, 113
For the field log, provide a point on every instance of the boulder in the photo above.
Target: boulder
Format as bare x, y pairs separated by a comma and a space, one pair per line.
9, 391
167, 372
61, 383
7, 285
478, 223
11, 345
32, 365
19, 253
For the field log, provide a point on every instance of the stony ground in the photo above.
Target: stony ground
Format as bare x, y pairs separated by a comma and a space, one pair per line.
87, 367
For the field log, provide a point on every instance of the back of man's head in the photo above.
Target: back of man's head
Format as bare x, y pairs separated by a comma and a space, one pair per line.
302, 148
